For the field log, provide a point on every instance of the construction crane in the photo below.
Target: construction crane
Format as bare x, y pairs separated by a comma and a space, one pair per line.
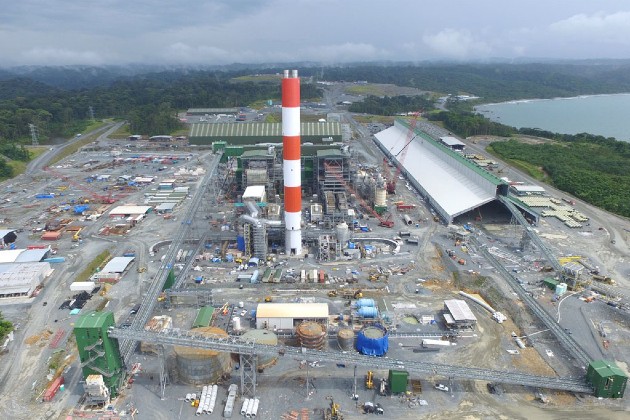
400, 156
384, 222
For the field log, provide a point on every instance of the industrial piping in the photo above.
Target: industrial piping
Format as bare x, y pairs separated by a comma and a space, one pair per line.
291, 166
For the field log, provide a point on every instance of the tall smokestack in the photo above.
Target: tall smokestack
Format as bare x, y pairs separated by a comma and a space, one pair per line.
291, 166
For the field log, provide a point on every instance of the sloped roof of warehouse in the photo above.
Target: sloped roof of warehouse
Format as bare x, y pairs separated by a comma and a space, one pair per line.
117, 265
292, 310
452, 190
130, 210
10, 255
262, 129
451, 141
459, 310
21, 278
32, 255
212, 110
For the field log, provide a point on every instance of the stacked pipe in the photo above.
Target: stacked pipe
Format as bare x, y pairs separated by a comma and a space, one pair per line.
291, 166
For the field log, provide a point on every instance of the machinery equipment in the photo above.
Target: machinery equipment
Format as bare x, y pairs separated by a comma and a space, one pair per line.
385, 222
369, 380
332, 413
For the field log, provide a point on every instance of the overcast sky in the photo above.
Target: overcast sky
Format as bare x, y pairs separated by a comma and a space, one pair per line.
99, 32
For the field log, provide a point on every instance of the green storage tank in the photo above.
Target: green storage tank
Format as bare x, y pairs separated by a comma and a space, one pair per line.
99, 354
398, 381
607, 379
551, 283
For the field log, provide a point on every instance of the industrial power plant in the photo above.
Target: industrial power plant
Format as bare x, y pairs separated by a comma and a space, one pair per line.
309, 269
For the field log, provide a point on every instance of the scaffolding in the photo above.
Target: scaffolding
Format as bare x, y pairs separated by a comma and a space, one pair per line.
255, 237
329, 248
261, 167
333, 172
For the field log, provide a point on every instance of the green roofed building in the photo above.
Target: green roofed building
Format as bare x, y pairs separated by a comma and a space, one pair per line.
204, 316
204, 134
98, 352
607, 379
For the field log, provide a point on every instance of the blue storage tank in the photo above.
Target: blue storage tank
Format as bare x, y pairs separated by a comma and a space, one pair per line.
365, 302
240, 243
368, 312
373, 340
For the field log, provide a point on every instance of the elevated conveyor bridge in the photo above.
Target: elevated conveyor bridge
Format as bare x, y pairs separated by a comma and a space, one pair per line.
248, 348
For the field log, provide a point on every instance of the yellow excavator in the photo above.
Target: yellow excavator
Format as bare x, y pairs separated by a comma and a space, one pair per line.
333, 412
369, 380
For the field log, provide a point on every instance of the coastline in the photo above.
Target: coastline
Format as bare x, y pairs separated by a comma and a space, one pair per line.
600, 114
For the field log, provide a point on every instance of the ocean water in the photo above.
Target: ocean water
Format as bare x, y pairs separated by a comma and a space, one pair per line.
605, 115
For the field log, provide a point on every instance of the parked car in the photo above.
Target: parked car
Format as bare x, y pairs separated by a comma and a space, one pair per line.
441, 387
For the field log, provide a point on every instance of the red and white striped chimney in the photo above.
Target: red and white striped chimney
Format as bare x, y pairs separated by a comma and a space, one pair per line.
291, 166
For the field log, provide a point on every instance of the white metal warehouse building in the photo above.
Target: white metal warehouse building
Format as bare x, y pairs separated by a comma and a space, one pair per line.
451, 184
22, 279
287, 316
458, 314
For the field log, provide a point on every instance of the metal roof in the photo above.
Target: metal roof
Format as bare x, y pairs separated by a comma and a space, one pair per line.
459, 310
451, 181
117, 265
261, 129
255, 192
124, 210
451, 141
292, 310
212, 110
92, 320
32, 255
605, 368
528, 188
10, 255
5, 232
21, 278
166, 206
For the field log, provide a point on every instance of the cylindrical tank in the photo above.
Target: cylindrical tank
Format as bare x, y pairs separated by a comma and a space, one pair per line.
373, 340
365, 302
380, 196
561, 289
368, 312
244, 406
236, 324
345, 339
255, 408
200, 366
261, 337
407, 220
311, 335
271, 149
342, 233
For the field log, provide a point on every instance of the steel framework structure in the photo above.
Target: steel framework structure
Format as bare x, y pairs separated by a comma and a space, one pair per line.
235, 344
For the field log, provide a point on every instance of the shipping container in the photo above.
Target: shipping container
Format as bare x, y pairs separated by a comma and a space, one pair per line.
322, 276
82, 286
398, 381
52, 389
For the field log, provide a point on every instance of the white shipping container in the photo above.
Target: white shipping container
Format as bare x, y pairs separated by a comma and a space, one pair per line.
82, 286
428, 343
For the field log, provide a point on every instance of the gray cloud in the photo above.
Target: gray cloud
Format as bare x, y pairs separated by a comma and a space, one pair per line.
254, 31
